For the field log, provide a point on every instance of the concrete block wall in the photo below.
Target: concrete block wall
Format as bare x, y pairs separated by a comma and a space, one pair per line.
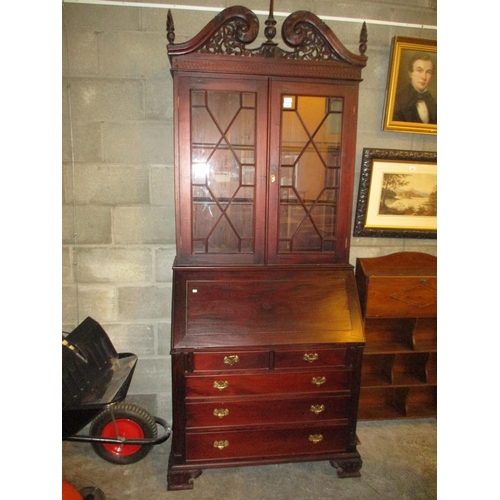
118, 197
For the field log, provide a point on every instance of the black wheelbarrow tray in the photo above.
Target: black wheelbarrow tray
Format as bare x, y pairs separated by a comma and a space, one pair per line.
95, 382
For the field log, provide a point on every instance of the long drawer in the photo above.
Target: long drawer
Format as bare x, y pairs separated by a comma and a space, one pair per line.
270, 443
222, 385
266, 411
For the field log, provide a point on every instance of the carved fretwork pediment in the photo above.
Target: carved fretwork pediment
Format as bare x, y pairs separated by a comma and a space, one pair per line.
235, 28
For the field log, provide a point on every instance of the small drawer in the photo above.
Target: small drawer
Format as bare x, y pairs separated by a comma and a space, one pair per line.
394, 297
244, 444
230, 360
310, 357
228, 384
233, 413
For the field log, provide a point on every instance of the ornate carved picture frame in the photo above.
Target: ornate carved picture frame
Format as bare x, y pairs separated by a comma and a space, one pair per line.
411, 104
397, 195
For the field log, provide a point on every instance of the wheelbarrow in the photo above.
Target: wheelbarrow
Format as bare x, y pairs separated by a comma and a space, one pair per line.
95, 382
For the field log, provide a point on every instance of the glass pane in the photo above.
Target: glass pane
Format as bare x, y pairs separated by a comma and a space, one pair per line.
242, 131
223, 106
223, 239
201, 193
201, 154
288, 195
292, 215
312, 111
332, 177
241, 217
289, 102
286, 177
306, 238
294, 136
324, 219
248, 100
224, 174
205, 217
223, 171
309, 173
204, 130
336, 103
198, 98
248, 175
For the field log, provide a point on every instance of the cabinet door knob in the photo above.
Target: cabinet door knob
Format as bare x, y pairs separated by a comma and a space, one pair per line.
221, 385
318, 380
311, 357
231, 360
315, 438
221, 444
317, 408
221, 413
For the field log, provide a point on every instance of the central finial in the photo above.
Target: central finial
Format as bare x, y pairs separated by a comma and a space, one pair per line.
270, 29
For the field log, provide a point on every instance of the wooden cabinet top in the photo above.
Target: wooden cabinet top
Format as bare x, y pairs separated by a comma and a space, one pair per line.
315, 50
399, 264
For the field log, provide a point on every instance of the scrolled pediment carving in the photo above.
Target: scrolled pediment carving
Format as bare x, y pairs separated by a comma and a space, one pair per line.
235, 28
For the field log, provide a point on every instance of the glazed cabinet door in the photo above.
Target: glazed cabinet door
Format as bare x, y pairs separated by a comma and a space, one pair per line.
220, 169
312, 137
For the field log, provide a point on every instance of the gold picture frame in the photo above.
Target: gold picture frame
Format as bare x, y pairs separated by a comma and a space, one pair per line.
397, 196
412, 73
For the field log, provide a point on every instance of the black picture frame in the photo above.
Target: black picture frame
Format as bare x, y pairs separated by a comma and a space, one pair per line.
370, 221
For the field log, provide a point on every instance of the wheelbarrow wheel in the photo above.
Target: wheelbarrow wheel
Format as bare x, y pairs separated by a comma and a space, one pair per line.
132, 422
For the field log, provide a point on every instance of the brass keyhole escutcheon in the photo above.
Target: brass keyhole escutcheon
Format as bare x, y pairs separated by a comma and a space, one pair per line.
318, 380
315, 438
221, 385
317, 409
221, 413
221, 444
311, 357
273, 178
231, 360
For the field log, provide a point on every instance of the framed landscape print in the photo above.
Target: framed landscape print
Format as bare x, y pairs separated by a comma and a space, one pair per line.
397, 195
411, 97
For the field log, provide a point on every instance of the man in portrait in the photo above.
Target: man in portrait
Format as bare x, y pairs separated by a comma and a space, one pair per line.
415, 103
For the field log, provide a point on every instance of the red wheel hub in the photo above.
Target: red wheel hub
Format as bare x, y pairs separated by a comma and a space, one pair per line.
127, 429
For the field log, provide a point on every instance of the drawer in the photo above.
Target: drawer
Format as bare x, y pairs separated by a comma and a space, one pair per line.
230, 360
307, 358
229, 384
269, 443
272, 411
395, 297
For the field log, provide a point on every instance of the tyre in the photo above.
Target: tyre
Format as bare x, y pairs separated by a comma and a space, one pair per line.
132, 422
92, 493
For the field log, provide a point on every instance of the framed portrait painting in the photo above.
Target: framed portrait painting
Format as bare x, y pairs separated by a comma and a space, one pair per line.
397, 195
411, 97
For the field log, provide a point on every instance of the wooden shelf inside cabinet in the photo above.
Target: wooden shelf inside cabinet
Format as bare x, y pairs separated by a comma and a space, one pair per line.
398, 295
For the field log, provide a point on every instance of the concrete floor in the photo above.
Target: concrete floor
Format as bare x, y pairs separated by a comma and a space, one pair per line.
399, 462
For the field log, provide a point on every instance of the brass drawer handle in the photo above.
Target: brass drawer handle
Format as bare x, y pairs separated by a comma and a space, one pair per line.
221, 444
318, 380
221, 385
231, 360
315, 438
311, 357
317, 408
223, 412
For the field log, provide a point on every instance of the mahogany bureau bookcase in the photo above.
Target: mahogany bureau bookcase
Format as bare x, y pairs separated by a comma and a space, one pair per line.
267, 334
